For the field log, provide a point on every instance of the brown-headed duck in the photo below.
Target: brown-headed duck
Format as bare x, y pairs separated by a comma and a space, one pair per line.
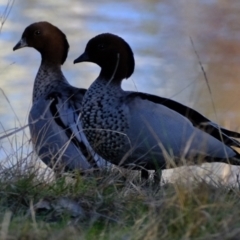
54, 119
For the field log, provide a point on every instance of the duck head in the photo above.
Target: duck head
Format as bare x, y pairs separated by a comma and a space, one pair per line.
50, 41
112, 54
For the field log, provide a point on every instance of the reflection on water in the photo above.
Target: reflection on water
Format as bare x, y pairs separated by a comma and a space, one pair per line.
159, 33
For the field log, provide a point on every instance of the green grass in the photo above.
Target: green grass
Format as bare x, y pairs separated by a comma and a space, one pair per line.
114, 205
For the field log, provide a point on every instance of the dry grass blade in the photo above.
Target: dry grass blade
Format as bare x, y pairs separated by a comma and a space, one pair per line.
202, 68
6, 13
12, 109
208, 85
6, 135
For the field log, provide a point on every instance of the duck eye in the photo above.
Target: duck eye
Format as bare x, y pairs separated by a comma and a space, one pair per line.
101, 46
37, 32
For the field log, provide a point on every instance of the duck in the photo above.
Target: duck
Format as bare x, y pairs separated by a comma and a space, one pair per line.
143, 131
54, 118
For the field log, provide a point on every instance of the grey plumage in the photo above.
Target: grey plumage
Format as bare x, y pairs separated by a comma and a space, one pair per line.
54, 119
143, 130
55, 126
126, 129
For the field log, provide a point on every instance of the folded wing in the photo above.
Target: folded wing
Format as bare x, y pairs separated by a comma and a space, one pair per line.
57, 132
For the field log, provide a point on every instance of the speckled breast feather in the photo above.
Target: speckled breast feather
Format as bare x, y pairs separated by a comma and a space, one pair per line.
105, 121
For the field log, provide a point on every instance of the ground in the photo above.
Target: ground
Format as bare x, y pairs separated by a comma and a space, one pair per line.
115, 205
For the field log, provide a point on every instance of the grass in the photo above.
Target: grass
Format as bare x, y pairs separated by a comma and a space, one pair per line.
115, 205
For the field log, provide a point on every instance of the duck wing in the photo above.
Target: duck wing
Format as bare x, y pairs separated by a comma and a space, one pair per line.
197, 119
56, 121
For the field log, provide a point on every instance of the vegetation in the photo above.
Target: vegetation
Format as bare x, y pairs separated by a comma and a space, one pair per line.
114, 205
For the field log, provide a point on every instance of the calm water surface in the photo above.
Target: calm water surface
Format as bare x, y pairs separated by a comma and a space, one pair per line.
159, 33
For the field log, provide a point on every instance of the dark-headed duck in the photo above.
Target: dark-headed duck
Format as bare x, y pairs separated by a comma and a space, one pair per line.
140, 130
55, 128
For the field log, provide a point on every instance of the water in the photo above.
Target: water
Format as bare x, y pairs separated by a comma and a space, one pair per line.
159, 33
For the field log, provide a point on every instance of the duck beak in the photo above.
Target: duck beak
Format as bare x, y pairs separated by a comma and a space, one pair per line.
21, 44
83, 58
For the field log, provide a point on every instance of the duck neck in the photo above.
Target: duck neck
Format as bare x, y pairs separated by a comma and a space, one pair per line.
109, 82
114, 71
48, 76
